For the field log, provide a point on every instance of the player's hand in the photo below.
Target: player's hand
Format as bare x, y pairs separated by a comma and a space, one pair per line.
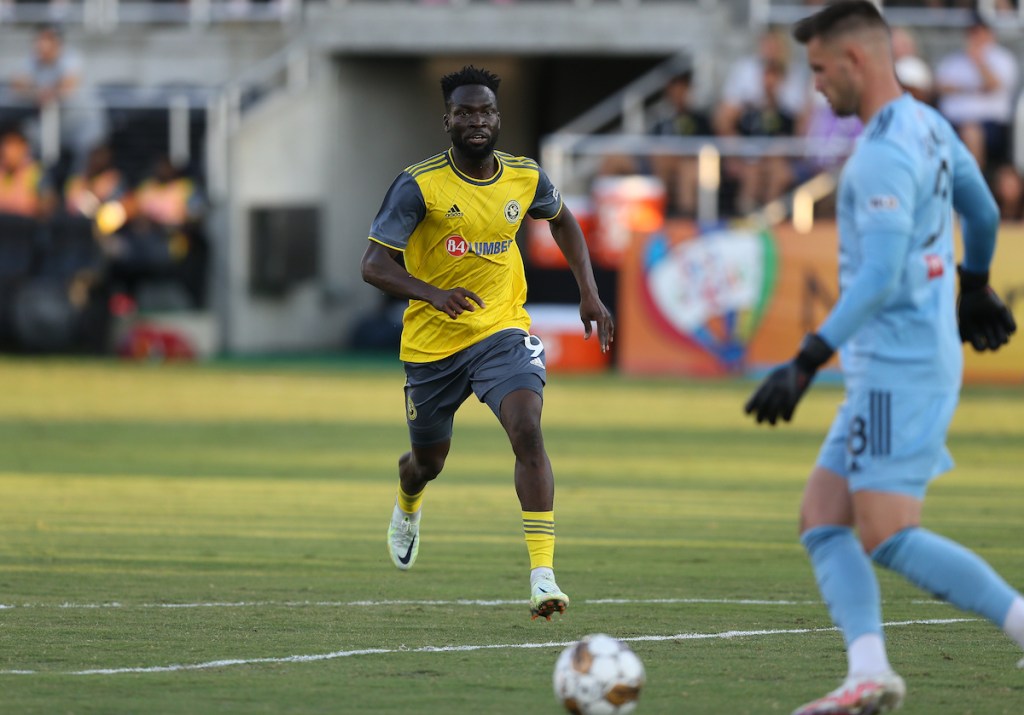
457, 301
780, 392
985, 321
592, 310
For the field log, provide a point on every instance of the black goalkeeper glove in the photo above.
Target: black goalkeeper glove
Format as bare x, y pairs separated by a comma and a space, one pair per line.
782, 389
985, 321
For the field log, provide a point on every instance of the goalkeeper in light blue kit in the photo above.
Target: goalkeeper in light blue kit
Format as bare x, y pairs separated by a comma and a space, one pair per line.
898, 325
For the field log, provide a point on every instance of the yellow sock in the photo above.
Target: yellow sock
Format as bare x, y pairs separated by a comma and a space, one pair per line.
409, 503
539, 530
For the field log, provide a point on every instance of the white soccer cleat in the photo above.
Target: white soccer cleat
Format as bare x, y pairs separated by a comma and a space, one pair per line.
547, 599
404, 538
860, 695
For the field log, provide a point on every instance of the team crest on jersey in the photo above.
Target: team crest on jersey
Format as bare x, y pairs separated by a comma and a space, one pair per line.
456, 246
410, 409
512, 211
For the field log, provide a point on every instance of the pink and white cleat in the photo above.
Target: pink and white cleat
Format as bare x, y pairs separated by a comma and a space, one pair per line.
860, 695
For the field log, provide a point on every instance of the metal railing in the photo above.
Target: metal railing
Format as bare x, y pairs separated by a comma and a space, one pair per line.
564, 158
179, 103
290, 69
577, 3
108, 14
773, 12
105, 15
223, 106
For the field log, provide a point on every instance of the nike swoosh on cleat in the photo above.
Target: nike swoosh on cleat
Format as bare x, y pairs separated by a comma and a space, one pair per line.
408, 554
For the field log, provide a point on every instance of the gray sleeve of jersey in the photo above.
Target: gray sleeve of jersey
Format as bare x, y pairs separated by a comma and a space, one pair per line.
547, 202
401, 212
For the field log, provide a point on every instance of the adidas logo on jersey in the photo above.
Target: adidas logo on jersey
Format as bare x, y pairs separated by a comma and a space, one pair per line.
453, 212
538, 362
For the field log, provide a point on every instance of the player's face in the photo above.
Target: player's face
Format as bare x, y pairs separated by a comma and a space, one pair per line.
833, 76
472, 120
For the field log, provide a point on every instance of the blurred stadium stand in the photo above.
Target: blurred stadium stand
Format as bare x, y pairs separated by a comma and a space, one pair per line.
315, 106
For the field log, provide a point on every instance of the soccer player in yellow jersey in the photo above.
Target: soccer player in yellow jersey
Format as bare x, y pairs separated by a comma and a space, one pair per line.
454, 219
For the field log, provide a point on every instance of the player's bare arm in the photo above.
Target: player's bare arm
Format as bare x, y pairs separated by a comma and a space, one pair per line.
380, 268
567, 234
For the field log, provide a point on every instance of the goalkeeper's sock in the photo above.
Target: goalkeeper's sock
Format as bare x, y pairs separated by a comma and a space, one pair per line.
866, 656
848, 584
409, 503
1013, 624
949, 571
539, 530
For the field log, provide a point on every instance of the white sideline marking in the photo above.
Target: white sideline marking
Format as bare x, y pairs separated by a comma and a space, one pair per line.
452, 649
458, 602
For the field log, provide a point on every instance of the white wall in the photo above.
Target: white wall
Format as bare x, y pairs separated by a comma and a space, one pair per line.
281, 155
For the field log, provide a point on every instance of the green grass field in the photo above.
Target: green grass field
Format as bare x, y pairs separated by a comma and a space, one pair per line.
211, 540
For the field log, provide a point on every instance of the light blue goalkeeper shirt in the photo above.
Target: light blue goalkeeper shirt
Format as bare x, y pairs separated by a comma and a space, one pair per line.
895, 321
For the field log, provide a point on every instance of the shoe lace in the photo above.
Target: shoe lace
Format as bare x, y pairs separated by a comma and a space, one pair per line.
405, 528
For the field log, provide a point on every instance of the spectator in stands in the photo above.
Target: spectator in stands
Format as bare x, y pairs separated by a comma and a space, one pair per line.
766, 178
622, 164
744, 85
830, 138
98, 182
673, 115
681, 119
904, 44
169, 197
163, 241
934, 4
53, 74
1008, 187
976, 87
761, 96
915, 76
24, 190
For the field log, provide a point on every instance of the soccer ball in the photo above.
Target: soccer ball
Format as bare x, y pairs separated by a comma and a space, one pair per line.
598, 675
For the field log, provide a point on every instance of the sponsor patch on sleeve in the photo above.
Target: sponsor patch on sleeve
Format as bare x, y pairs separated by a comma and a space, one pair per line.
883, 202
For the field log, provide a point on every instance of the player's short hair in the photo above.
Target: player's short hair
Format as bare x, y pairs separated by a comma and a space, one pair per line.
468, 75
838, 18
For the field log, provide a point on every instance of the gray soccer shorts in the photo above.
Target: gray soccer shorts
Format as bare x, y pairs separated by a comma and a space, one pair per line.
504, 362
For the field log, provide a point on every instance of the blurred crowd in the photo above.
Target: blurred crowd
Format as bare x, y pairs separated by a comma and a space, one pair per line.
770, 94
97, 237
80, 231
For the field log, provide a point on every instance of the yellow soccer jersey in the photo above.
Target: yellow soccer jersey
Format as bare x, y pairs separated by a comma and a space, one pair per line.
459, 231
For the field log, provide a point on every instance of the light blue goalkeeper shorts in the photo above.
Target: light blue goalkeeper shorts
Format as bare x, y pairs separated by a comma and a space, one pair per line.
890, 440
